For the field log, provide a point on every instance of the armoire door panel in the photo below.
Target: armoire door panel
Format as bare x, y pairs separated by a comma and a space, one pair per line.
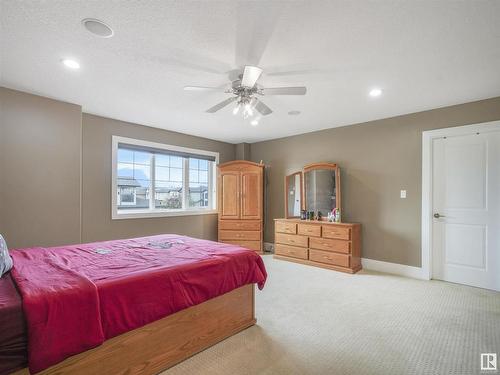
229, 195
251, 193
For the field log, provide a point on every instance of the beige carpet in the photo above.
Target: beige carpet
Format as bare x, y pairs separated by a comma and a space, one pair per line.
315, 321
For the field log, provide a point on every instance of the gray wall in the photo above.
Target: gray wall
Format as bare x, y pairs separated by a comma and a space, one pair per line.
50, 161
377, 160
96, 197
40, 168
242, 151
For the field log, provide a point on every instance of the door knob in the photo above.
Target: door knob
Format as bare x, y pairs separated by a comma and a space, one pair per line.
437, 216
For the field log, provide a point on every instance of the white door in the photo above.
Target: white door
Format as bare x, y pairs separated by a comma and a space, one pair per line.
466, 209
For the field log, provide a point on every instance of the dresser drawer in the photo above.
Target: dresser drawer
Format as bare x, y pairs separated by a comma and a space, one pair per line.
239, 224
327, 244
309, 230
252, 245
329, 258
286, 227
290, 239
332, 231
239, 235
291, 251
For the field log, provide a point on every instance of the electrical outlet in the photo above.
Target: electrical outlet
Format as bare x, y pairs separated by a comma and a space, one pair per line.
403, 194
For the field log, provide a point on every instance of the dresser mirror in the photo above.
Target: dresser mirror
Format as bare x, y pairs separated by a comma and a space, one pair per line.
321, 188
293, 195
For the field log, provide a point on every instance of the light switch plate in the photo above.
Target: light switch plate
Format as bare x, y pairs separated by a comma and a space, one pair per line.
403, 194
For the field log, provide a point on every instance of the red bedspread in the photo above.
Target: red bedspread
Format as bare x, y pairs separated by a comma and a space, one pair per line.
75, 297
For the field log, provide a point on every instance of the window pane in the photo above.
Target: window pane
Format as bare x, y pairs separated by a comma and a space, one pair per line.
133, 181
125, 170
162, 160
176, 161
168, 182
131, 195
125, 156
168, 195
204, 176
204, 165
142, 157
193, 163
161, 173
142, 172
176, 174
198, 195
193, 175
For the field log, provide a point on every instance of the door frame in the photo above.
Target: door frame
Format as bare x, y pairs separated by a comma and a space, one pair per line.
427, 192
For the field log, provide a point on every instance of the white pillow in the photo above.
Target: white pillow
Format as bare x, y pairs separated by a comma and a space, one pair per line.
5, 259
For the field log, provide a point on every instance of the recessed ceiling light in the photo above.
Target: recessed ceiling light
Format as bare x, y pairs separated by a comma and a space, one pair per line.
375, 92
72, 64
98, 27
294, 113
254, 122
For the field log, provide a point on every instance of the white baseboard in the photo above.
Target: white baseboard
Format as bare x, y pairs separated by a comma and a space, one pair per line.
393, 268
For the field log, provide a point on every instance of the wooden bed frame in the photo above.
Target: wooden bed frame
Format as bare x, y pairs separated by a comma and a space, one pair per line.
166, 342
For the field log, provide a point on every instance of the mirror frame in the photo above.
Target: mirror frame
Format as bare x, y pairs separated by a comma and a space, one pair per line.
287, 178
331, 166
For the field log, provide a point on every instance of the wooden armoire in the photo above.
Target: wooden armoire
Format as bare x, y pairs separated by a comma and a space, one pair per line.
240, 186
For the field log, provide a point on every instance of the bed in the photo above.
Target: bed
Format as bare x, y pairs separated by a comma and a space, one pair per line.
128, 306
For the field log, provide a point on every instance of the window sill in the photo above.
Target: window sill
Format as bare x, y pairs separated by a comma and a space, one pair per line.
143, 214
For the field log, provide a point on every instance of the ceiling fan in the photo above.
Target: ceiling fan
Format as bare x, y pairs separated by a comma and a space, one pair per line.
245, 91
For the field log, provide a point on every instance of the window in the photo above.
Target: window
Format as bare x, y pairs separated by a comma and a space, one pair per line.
152, 179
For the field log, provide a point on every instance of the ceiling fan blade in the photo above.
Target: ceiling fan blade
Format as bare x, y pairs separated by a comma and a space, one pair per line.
301, 90
263, 109
250, 76
201, 88
221, 105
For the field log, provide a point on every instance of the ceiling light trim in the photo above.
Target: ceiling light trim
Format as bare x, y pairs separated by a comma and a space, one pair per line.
87, 22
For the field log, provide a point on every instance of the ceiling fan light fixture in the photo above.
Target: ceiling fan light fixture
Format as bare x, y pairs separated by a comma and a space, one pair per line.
250, 76
236, 109
248, 109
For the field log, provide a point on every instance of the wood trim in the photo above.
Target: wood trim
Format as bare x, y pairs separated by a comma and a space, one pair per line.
235, 162
322, 165
325, 165
322, 222
166, 342
301, 192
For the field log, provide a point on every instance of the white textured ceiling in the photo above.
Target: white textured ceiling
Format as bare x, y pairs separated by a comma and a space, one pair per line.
423, 54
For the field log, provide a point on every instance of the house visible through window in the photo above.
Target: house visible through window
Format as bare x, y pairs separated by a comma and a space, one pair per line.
152, 179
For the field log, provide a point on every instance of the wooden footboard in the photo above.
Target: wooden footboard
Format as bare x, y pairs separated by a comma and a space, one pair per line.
166, 342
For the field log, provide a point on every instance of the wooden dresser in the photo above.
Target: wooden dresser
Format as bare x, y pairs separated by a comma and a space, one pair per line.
335, 246
240, 203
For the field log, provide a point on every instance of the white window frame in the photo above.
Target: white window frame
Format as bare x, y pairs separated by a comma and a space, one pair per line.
158, 212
